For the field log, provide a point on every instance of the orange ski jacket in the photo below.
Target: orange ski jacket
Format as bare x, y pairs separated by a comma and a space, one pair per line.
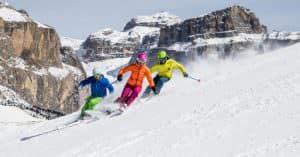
138, 72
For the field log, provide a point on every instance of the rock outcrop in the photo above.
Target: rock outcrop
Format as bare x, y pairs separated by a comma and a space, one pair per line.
31, 64
223, 23
108, 43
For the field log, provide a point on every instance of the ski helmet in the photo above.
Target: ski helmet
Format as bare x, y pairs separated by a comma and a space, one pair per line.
96, 71
142, 57
161, 54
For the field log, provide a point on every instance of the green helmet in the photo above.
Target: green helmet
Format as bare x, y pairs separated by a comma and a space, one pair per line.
161, 54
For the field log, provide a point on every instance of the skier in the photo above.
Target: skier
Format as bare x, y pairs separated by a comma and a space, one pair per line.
164, 68
134, 84
98, 84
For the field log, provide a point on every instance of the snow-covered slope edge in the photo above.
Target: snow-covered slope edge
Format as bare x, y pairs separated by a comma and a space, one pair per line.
9, 100
249, 107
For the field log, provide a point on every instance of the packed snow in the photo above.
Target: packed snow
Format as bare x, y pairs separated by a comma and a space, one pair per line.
19, 116
11, 15
243, 107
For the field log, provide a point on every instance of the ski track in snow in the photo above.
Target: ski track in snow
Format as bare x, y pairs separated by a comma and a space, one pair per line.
245, 108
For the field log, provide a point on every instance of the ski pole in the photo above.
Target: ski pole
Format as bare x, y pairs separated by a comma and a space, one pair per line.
115, 81
194, 78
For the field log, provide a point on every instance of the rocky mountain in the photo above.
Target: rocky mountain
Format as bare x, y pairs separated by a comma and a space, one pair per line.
221, 23
220, 33
140, 32
108, 43
31, 64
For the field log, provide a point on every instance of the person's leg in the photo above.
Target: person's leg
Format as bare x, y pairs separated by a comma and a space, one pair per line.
135, 93
148, 89
160, 83
125, 93
91, 103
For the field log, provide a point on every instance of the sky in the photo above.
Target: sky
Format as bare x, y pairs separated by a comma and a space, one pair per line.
79, 18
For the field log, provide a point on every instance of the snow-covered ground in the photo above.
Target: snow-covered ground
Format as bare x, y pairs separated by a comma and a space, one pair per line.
11, 115
242, 107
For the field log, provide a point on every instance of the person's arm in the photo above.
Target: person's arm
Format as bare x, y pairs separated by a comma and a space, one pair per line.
125, 69
85, 82
149, 78
179, 66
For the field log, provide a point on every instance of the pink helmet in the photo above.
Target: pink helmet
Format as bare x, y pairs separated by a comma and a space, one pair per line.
142, 56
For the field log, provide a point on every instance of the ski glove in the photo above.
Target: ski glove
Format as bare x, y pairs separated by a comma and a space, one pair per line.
154, 90
185, 75
120, 77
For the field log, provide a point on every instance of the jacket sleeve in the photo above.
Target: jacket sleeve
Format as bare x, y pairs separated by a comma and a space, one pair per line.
86, 81
125, 69
179, 66
154, 68
149, 78
108, 85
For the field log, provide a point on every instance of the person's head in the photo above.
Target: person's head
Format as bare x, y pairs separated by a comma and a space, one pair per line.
97, 73
162, 56
141, 57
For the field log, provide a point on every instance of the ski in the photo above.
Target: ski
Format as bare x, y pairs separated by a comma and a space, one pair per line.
115, 113
64, 126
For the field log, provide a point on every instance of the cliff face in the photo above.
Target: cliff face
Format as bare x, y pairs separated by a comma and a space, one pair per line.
139, 32
38, 45
223, 23
31, 64
108, 43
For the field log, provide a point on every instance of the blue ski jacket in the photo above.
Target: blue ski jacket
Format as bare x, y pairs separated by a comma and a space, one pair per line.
98, 87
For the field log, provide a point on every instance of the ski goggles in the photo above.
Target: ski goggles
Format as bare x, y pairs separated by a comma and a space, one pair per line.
140, 61
162, 60
97, 76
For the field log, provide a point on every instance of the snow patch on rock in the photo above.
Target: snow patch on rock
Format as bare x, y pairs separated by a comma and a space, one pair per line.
283, 35
242, 37
113, 36
75, 44
11, 15
60, 73
163, 18
41, 25
10, 98
143, 31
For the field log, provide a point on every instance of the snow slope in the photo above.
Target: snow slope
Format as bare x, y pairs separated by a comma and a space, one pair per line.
243, 107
